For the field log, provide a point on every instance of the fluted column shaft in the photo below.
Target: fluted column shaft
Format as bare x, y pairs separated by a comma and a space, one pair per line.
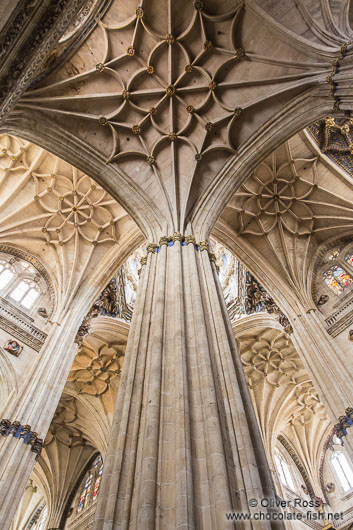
35, 406
185, 447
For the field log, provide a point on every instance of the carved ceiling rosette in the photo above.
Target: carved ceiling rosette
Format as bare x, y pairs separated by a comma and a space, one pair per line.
271, 358
308, 405
56, 212
94, 371
290, 203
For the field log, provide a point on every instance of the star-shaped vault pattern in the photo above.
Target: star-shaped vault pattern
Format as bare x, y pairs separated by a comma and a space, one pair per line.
168, 91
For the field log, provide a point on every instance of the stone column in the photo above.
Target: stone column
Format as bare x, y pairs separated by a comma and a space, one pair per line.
185, 447
325, 363
31, 413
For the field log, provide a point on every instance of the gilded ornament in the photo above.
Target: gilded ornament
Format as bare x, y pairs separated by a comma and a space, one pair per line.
139, 12
130, 51
170, 39
172, 136
150, 160
330, 123
207, 45
212, 85
344, 49
100, 67
143, 260
102, 120
164, 240
190, 239
237, 111
136, 129
239, 53
188, 68
170, 90
208, 126
190, 109
151, 248
198, 157
177, 236
198, 5
150, 69
125, 94
153, 110
204, 245
94, 243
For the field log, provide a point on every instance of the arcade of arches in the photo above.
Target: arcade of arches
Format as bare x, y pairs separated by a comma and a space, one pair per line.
176, 265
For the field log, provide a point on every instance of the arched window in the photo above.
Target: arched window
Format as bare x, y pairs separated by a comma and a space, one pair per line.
343, 470
337, 279
7, 272
91, 485
283, 471
25, 293
21, 283
39, 519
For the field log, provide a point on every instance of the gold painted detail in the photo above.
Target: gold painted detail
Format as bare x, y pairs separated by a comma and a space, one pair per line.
23, 432
330, 77
153, 248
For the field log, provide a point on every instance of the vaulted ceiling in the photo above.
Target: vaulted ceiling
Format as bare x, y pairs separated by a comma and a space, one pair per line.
58, 214
168, 94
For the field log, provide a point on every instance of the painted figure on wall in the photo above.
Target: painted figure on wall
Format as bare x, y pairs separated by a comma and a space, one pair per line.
13, 347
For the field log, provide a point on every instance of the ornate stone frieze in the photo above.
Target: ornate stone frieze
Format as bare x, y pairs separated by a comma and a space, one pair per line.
335, 139
298, 463
169, 241
53, 22
257, 299
112, 302
344, 422
20, 326
22, 432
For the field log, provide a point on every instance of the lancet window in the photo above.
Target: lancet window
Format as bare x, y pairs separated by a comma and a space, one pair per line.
283, 471
342, 470
91, 485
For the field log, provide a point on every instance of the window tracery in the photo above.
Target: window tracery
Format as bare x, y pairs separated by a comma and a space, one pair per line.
20, 282
337, 279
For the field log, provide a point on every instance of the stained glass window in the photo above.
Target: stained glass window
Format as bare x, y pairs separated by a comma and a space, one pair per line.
91, 485
342, 276
349, 258
337, 279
